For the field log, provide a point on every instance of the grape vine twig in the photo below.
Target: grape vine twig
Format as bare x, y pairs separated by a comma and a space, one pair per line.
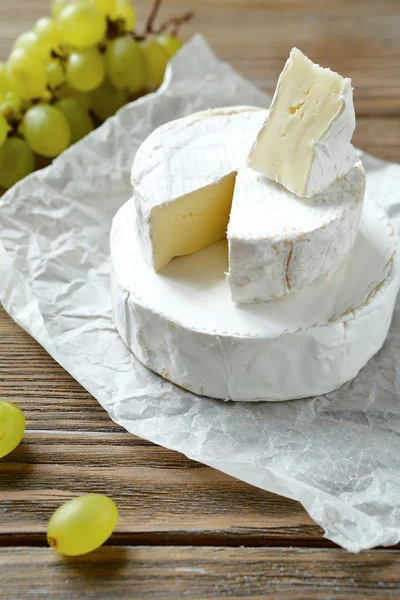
175, 23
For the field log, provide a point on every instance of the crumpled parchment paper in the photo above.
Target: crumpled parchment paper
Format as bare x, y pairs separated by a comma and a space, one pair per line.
338, 454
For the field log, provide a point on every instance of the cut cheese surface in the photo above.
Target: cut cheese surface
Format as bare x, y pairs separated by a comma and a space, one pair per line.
305, 142
192, 222
183, 177
183, 324
279, 243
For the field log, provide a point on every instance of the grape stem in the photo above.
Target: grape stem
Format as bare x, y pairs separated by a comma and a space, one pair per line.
114, 29
152, 16
175, 23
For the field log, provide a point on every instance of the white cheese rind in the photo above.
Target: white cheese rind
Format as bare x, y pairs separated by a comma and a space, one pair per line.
187, 155
183, 324
332, 153
279, 243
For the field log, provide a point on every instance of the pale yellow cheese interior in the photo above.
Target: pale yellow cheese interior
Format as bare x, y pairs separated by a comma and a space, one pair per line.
308, 99
191, 222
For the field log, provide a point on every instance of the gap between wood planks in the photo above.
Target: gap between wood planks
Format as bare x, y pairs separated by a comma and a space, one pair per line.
194, 539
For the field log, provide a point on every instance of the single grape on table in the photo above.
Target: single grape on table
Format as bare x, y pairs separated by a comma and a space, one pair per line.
12, 425
73, 70
82, 524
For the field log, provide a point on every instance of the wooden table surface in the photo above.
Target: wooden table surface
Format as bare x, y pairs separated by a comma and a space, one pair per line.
186, 530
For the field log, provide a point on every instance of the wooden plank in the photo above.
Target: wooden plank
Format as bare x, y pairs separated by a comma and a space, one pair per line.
359, 38
162, 496
201, 573
379, 136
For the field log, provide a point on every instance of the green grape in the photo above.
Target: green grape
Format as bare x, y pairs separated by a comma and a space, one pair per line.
10, 104
125, 64
55, 74
106, 100
27, 74
81, 24
58, 5
82, 524
16, 161
85, 69
5, 84
30, 42
156, 59
125, 11
4, 128
78, 118
170, 42
83, 98
26, 104
106, 7
46, 130
46, 30
12, 426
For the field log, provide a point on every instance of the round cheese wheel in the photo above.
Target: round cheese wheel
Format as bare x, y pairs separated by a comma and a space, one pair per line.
183, 324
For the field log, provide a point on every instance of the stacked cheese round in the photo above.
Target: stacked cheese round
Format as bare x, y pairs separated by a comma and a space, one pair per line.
279, 243
244, 266
182, 323
186, 191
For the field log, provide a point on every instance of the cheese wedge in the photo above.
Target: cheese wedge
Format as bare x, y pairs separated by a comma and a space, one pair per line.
279, 243
183, 178
183, 324
305, 142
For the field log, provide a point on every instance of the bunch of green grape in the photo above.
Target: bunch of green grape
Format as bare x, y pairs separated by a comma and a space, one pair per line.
69, 73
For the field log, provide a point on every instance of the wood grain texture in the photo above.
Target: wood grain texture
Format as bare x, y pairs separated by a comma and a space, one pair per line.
72, 447
201, 573
162, 496
190, 519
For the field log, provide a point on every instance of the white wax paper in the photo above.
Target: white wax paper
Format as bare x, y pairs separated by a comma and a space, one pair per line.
338, 454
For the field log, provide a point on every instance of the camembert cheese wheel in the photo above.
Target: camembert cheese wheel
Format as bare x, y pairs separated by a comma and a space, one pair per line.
182, 323
184, 180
